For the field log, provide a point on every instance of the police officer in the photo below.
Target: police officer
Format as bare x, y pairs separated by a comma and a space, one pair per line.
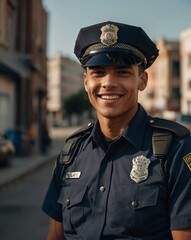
128, 175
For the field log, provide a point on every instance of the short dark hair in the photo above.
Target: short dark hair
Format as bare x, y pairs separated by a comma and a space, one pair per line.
141, 68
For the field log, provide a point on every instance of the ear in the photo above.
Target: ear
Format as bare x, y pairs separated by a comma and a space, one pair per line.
85, 81
143, 81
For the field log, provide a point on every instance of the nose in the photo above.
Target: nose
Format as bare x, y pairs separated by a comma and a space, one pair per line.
109, 81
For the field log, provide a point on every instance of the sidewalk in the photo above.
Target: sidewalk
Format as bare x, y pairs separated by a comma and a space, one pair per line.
21, 166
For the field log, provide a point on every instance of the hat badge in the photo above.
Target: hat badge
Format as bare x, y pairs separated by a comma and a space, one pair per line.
109, 34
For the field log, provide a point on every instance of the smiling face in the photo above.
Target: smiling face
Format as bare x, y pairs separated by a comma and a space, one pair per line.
113, 91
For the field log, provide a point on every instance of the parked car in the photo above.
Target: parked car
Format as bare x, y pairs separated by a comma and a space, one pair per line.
7, 151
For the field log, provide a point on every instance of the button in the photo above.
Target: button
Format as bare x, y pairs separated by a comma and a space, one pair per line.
135, 204
102, 189
67, 202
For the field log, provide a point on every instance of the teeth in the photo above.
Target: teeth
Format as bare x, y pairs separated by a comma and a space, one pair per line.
109, 96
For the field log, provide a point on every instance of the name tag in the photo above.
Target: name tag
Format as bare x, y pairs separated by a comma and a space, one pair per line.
73, 174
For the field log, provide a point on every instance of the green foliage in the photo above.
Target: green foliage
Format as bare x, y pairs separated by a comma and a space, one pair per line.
77, 103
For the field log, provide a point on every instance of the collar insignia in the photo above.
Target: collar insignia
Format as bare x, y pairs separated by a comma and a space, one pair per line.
139, 170
187, 160
109, 34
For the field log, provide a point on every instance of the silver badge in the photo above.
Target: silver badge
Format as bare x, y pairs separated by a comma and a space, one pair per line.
109, 34
139, 170
73, 174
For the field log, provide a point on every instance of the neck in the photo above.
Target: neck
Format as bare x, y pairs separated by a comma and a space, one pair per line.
112, 128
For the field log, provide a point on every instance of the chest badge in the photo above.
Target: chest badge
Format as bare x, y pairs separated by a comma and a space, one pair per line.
139, 170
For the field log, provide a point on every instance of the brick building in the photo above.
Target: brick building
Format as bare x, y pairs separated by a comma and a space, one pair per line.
185, 51
163, 90
23, 79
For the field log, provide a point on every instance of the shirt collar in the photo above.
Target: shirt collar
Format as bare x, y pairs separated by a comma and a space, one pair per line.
134, 133
136, 129
95, 135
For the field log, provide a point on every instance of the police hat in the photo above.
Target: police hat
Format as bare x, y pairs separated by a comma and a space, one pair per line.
112, 43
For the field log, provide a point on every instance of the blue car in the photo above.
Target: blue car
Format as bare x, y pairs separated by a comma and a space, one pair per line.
7, 151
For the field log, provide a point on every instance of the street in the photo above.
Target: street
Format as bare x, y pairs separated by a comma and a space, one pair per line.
21, 216
20, 207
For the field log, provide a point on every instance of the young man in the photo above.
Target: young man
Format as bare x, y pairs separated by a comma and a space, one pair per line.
111, 181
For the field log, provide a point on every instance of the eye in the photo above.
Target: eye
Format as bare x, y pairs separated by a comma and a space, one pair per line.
97, 72
124, 72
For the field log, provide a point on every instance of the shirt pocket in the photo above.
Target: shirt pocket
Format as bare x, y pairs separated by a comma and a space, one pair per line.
73, 205
134, 208
150, 213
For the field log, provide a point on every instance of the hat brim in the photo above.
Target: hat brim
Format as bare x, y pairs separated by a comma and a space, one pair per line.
112, 59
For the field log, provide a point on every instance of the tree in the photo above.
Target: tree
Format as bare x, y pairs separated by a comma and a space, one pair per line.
77, 103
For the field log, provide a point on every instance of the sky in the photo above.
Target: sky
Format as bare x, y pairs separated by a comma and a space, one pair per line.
159, 18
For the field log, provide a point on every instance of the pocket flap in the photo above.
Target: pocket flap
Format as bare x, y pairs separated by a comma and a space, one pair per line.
72, 195
147, 197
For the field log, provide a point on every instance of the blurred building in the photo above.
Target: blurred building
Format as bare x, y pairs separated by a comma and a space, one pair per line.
65, 78
185, 42
23, 79
163, 91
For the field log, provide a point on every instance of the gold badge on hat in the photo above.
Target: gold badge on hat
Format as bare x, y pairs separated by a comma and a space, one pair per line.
109, 34
139, 170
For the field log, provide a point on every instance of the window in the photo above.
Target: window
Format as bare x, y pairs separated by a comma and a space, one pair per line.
150, 95
189, 108
189, 84
4, 112
175, 93
176, 68
6, 23
1, 19
189, 60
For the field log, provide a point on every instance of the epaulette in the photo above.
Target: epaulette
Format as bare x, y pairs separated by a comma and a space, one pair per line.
164, 133
72, 144
175, 128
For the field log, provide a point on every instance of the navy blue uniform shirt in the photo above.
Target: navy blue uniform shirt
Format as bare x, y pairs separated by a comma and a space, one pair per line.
99, 198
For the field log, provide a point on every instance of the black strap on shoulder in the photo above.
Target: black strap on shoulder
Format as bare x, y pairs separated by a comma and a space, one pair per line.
161, 141
164, 133
72, 144
171, 126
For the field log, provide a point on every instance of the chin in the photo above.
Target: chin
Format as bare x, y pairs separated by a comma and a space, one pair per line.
109, 115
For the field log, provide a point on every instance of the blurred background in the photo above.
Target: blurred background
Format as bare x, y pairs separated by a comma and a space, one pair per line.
41, 82
42, 99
